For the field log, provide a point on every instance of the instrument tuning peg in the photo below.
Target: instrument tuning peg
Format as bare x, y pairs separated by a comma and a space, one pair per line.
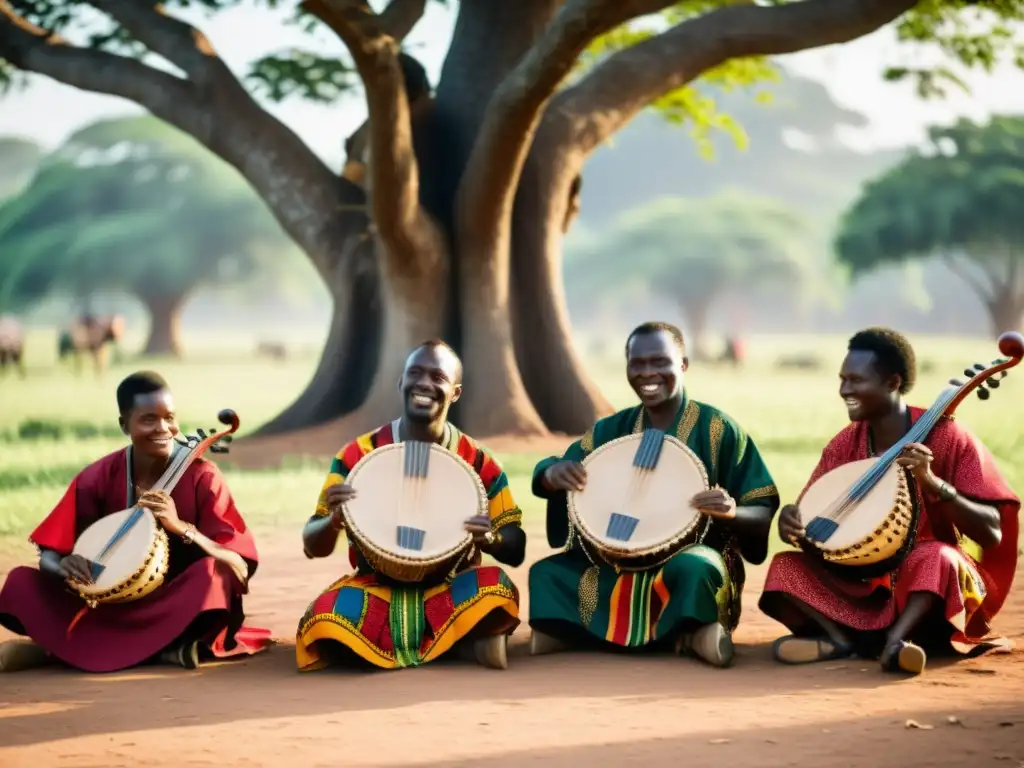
979, 367
226, 439
970, 373
201, 433
983, 394
993, 382
956, 382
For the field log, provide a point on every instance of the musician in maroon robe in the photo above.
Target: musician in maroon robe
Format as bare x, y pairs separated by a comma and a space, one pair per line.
940, 595
198, 609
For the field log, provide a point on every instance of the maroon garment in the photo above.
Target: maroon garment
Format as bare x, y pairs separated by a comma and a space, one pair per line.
200, 595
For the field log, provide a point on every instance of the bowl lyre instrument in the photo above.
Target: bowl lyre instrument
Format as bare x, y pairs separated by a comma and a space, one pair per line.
861, 518
408, 519
129, 551
633, 512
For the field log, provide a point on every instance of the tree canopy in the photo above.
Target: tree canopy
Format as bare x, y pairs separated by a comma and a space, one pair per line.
958, 199
694, 250
132, 204
455, 229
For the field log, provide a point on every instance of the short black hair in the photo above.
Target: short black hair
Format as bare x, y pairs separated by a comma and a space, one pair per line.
417, 84
893, 354
646, 329
439, 344
138, 383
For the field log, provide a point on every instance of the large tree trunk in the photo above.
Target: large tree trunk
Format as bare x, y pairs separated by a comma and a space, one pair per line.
563, 393
164, 324
349, 359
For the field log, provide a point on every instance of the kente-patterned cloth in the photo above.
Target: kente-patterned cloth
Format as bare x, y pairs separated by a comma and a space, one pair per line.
392, 625
972, 590
700, 585
200, 596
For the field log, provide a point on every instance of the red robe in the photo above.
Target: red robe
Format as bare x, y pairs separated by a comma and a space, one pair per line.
972, 591
200, 595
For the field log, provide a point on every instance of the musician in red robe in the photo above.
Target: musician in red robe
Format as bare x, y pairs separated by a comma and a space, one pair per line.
198, 609
941, 594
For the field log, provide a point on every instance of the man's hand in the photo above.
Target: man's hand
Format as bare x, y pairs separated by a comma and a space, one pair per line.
791, 527
75, 568
716, 503
339, 494
918, 457
237, 564
480, 527
565, 476
162, 506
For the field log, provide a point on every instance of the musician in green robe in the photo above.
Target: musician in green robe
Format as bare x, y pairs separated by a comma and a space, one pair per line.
691, 604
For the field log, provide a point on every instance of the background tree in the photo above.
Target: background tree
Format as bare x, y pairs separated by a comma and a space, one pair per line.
136, 205
467, 231
958, 199
694, 252
18, 159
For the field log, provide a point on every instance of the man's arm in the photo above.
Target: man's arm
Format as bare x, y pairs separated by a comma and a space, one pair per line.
742, 472
320, 536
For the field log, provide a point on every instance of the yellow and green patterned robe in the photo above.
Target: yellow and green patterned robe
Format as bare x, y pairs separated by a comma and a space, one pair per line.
395, 625
572, 596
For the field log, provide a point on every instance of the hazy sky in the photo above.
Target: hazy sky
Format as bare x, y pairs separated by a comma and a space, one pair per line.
48, 111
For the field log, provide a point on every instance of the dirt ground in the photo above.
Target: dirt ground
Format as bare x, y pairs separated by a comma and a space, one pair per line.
559, 710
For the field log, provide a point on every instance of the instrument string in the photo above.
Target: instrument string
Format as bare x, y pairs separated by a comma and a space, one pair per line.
173, 473
842, 507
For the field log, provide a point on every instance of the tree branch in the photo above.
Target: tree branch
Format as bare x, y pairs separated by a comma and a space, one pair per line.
393, 173
316, 208
181, 44
616, 90
488, 188
33, 49
400, 17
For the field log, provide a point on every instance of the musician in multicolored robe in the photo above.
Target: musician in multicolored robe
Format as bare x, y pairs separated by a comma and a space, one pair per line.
941, 596
198, 610
390, 625
692, 603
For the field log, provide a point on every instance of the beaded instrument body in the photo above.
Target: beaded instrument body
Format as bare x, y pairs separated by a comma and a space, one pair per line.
628, 515
408, 519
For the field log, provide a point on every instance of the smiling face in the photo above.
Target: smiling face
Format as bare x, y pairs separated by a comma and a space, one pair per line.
430, 383
152, 424
654, 367
867, 392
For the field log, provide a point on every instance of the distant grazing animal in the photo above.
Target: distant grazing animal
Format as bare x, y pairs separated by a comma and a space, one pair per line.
90, 334
275, 350
12, 344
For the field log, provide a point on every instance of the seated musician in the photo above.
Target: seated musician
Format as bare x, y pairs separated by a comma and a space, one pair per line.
391, 625
692, 603
939, 596
196, 611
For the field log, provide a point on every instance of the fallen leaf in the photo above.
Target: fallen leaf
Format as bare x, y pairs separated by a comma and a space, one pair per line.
981, 671
719, 741
1006, 724
917, 725
953, 720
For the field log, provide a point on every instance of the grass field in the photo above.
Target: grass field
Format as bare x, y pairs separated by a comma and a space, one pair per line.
53, 423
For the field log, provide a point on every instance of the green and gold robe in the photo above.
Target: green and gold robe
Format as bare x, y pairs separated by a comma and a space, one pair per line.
570, 595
